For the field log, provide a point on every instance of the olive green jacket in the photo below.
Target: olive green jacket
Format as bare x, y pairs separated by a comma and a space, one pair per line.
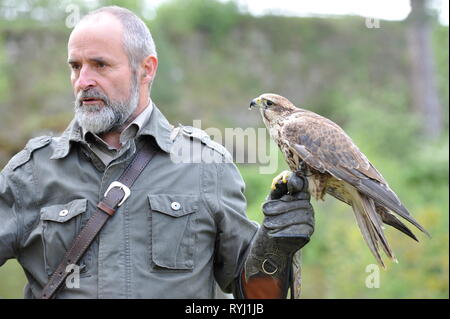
182, 231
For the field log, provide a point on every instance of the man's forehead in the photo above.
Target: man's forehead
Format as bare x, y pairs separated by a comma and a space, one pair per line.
95, 35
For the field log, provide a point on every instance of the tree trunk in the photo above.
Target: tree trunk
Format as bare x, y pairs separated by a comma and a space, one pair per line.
424, 90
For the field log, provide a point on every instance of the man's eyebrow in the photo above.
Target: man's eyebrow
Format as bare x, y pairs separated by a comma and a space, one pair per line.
97, 59
94, 59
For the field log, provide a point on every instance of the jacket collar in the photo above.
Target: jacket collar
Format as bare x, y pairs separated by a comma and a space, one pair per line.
156, 126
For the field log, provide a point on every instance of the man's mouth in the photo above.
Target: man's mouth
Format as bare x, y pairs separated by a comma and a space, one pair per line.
89, 101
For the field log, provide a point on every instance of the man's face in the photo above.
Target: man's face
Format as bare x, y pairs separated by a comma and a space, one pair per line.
106, 89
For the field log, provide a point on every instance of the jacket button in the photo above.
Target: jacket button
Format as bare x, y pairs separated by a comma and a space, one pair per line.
205, 139
188, 130
63, 213
175, 206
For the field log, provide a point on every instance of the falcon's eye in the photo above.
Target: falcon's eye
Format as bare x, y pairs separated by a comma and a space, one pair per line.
269, 103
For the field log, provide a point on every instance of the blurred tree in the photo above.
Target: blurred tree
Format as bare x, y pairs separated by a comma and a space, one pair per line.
424, 89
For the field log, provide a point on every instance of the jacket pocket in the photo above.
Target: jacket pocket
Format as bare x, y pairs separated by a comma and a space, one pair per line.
172, 231
60, 225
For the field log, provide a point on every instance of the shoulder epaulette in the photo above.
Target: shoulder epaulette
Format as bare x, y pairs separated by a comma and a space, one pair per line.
25, 155
203, 137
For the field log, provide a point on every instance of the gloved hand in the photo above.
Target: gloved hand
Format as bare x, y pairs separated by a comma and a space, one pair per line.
287, 226
288, 212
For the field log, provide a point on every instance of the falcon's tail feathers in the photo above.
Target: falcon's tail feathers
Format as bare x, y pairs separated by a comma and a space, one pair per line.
370, 225
384, 196
375, 219
393, 221
367, 233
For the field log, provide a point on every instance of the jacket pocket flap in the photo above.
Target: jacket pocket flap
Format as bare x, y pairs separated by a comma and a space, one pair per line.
65, 212
174, 205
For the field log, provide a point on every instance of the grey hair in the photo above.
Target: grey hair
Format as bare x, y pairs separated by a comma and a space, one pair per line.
137, 40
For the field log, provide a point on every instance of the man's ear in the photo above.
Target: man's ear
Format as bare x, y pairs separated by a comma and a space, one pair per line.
149, 66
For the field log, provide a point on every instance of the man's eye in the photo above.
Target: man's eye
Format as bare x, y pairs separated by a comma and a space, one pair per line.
101, 65
74, 66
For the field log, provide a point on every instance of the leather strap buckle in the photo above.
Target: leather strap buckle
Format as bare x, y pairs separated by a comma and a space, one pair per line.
123, 187
270, 268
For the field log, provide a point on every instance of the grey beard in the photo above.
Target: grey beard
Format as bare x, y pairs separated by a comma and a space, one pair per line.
104, 118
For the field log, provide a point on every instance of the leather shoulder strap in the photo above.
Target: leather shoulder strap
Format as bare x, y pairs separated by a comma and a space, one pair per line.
115, 195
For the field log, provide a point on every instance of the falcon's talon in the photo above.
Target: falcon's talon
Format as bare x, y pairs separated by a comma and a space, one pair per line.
281, 178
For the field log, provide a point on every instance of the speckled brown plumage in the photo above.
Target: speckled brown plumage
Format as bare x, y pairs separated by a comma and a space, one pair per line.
319, 149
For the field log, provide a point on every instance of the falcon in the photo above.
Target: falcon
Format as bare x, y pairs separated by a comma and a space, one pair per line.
317, 148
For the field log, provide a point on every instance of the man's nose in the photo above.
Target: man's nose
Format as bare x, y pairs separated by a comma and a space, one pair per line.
85, 79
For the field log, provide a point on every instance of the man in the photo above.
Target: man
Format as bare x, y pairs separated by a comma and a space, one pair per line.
182, 229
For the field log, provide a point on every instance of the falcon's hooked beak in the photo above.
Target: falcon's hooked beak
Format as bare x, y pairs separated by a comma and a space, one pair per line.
255, 103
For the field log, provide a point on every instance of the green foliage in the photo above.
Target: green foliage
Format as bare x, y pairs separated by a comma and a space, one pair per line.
12, 280
4, 85
211, 18
441, 47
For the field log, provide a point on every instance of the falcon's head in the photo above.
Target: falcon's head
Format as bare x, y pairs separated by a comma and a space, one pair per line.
273, 106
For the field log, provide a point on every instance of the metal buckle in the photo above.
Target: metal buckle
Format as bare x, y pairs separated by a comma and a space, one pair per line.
263, 266
123, 187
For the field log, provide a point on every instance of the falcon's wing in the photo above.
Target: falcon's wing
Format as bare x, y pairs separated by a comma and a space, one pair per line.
324, 146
